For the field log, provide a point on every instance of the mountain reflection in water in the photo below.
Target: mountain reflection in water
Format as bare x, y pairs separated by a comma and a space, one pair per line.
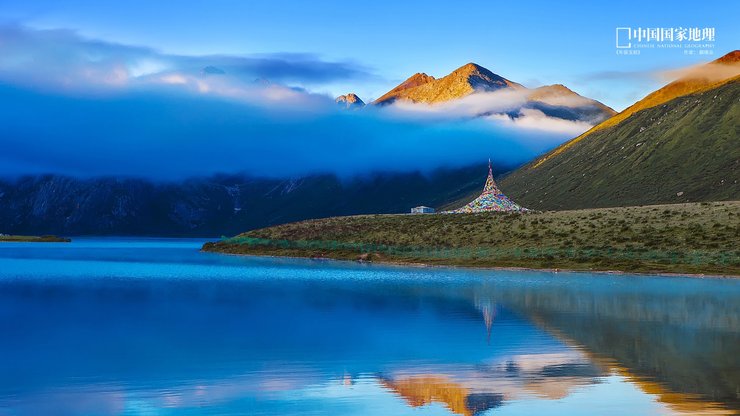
155, 327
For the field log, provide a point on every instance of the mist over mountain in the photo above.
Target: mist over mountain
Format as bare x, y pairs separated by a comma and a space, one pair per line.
476, 86
128, 111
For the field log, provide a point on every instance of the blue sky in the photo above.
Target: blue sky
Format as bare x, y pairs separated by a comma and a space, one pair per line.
532, 42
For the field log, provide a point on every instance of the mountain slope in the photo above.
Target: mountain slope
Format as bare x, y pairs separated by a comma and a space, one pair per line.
685, 149
702, 78
461, 82
413, 81
698, 79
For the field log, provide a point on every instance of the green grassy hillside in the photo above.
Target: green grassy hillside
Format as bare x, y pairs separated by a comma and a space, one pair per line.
685, 150
691, 238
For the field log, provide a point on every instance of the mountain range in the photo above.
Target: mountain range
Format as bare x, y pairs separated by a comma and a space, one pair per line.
213, 206
553, 100
678, 144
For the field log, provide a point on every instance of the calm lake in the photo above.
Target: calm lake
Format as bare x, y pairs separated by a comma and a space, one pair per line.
155, 327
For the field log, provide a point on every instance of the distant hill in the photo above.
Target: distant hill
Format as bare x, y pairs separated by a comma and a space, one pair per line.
557, 100
553, 100
678, 144
350, 100
214, 206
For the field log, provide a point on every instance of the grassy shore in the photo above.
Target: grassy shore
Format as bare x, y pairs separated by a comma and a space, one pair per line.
700, 238
33, 239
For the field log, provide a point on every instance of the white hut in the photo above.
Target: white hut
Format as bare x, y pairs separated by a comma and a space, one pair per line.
421, 209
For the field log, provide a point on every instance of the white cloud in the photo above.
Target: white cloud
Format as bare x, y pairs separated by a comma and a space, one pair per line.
532, 119
64, 60
124, 110
503, 107
473, 105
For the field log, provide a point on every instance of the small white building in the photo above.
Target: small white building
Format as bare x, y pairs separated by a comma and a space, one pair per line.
421, 209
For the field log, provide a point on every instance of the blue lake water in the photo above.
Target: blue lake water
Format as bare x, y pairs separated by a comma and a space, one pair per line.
155, 327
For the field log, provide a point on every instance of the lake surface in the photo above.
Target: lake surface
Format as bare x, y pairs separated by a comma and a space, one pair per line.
154, 327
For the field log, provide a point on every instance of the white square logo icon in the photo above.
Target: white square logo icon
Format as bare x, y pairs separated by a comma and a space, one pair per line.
624, 37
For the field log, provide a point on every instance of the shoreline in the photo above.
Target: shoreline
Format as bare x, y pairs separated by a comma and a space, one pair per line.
695, 239
485, 268
33, 239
